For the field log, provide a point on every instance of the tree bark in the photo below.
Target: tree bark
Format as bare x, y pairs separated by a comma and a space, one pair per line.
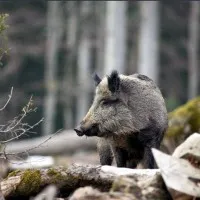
54, 33
30, 182
148, 50
115, 36
193, 43
126, 188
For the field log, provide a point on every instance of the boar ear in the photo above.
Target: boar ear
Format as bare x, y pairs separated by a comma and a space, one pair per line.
96, 78
113, 81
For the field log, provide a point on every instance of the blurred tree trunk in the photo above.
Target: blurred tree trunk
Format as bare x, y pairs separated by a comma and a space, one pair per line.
148, 52
54, 33
115, 36
100, 35
71, 46
193, 43
84, 59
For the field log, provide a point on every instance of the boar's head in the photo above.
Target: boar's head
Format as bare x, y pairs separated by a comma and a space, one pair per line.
109, 113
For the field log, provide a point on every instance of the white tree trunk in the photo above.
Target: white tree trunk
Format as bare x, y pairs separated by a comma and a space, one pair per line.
84, 58
100, 34
115, 36
54, 33
148, 55
193, 43
71, 46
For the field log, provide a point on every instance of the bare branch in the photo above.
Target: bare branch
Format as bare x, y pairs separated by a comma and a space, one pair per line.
30, 149
9, 97
15, 122
18, 128
23, 131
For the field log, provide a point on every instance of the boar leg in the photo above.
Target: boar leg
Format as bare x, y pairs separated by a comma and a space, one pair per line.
120, 156
131, 163
135, 151
105, 152
150, 138
149, 161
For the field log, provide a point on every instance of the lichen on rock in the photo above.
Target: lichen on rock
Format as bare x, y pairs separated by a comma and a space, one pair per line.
183, 121
30, 182
185, 118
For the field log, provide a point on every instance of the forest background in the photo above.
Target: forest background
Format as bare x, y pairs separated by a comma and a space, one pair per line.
52, 48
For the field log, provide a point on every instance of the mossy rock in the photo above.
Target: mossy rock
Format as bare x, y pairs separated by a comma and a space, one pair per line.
55, 176
30, 182
13, 173
185, 119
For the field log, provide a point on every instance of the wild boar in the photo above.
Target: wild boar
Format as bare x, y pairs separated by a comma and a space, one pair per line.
129, 117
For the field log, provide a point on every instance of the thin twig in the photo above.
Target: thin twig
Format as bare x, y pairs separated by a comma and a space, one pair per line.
18, 128
26, 110
9, 97
35, 147
22, 133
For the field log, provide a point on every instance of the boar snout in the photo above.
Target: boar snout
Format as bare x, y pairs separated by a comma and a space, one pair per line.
91, 130
79, 130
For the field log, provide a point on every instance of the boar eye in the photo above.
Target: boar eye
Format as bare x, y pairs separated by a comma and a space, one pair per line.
109, 101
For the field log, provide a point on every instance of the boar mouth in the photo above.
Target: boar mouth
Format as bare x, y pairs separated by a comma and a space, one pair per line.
90, 131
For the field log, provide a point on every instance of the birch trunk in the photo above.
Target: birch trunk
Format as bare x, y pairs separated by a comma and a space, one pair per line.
54, 33
115, 36
100, 35
84, 58
193, 43
71, 46
148, 55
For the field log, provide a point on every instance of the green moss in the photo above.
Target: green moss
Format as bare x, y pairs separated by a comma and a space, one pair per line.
51, 172
73, 180
13, 173
55, 176
115, 187
3, 25
30, 183
3, 37
185, 116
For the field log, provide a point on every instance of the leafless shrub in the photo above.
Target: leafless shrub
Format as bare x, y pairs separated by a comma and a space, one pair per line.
17, 128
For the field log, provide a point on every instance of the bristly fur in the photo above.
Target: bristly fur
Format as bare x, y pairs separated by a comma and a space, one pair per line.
113, 81
97, 79
129, 117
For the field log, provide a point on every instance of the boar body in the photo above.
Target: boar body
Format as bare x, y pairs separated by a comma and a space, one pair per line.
129, 117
